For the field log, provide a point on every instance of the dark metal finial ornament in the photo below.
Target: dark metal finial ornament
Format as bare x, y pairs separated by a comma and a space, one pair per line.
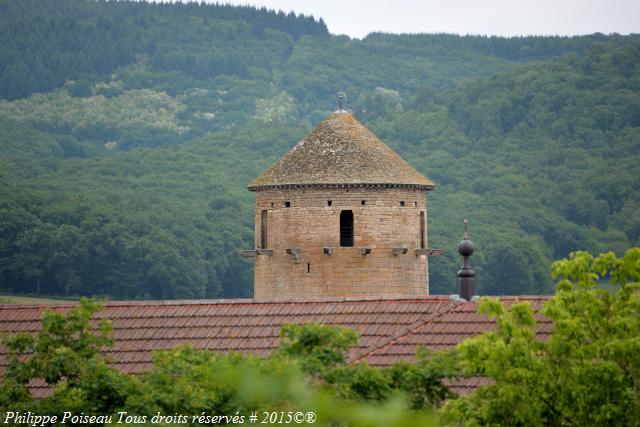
466, 276
340, 103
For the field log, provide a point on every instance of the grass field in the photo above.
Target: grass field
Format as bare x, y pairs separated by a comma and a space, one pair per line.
19, 299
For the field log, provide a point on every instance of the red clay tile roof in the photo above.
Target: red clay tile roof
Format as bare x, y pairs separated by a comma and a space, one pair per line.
341, 151
446, 329
389, 328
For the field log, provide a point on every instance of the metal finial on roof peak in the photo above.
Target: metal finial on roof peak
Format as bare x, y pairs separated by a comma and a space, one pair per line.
466, 246
341, 104
466, 276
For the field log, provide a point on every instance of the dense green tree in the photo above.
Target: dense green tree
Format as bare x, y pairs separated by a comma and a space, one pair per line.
586, 373
321, 352
66, 355
319, 348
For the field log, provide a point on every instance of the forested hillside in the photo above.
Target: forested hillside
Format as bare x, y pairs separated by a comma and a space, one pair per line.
128, 133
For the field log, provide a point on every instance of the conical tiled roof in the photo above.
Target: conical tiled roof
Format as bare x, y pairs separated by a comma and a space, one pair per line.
340, 151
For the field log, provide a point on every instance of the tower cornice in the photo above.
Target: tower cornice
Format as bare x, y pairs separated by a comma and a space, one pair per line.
350, 185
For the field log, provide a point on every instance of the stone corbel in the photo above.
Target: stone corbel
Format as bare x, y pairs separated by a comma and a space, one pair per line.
429, 252
400, 250
252, 253
295, 252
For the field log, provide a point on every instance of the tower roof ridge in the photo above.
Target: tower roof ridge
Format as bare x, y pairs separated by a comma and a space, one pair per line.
341, 151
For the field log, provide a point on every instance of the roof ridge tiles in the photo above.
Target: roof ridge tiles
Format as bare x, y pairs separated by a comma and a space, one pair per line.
251, 302
237, 301
19, 306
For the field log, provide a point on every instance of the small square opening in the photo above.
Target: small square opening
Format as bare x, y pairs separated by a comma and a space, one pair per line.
402, 203
329, 202
287, 204
364, 202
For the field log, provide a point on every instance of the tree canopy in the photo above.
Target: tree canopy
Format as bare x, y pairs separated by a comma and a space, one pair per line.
586, 373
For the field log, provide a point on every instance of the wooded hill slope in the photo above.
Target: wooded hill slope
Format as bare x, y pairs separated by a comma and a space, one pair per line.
128, 133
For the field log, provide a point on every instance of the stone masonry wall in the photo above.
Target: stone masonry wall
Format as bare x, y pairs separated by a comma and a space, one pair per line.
310, 224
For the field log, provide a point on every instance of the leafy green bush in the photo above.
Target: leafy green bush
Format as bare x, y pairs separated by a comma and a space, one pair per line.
585, 373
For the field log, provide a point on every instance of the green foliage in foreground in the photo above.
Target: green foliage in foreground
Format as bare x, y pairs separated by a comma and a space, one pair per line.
587, 373
66, 355
307, 373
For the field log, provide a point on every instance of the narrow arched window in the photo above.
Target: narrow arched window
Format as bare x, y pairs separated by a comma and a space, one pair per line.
346, 228
422, 230
263, 229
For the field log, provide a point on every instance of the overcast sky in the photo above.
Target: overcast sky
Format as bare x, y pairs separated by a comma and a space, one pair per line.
357, 18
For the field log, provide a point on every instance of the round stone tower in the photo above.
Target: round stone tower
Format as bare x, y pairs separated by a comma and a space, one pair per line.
340, 214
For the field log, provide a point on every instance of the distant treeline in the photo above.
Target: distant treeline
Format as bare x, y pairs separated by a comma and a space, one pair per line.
518, 48
44, 43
